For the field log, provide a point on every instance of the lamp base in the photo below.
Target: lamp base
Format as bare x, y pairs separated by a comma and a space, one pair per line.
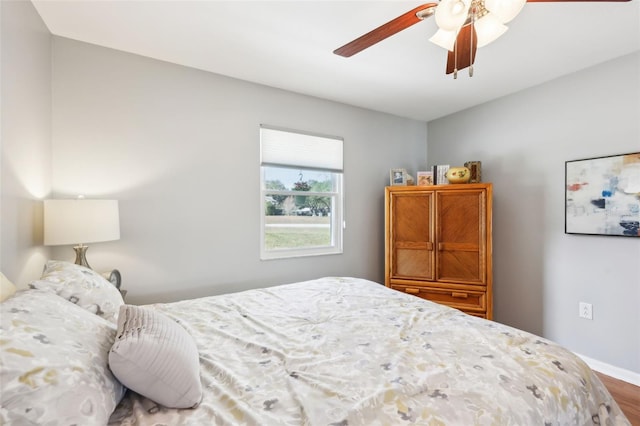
81, 258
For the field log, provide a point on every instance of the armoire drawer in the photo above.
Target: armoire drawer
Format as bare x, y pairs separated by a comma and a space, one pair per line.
466, 300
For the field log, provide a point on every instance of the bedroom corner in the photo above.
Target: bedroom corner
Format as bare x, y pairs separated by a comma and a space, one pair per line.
26, 158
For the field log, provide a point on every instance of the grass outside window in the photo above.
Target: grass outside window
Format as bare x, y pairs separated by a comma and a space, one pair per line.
291, 232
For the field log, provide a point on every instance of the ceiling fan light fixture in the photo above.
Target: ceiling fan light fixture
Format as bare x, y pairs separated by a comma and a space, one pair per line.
445, 39
504, 10
451, 14
488, 29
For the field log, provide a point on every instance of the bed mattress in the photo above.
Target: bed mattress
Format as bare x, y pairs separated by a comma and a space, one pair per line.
347, 351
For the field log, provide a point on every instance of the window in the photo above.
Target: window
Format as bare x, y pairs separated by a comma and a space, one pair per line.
301, 194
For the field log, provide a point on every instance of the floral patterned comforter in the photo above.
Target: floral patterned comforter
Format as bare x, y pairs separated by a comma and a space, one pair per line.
346, 351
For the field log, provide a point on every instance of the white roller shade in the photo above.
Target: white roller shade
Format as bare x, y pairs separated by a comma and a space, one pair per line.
292, 149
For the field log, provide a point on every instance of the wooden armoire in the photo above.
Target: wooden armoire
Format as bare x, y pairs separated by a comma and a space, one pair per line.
438, 244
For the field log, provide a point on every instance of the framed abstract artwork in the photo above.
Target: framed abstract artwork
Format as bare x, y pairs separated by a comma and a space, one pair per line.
602, 195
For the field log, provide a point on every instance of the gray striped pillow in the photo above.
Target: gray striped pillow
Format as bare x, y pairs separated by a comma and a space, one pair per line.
155, 356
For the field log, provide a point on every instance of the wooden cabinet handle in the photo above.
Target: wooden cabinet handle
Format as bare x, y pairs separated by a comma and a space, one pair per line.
411, 290
459, 295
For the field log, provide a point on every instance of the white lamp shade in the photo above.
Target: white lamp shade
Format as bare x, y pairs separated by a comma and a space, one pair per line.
504, 10
451, 14
489, 28
80, 221
444, 39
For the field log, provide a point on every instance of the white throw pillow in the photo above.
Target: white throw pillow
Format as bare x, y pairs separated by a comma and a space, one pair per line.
53, 368
82, 286
155, 356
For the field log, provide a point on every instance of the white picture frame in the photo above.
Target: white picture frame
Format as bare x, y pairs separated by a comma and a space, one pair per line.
398, 177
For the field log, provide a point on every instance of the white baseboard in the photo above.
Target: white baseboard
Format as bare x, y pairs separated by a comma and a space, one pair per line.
612, 370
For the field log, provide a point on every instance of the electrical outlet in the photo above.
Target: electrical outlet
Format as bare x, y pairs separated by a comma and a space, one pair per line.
586, 311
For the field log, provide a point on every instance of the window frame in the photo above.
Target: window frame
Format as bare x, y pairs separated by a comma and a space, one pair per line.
336, 222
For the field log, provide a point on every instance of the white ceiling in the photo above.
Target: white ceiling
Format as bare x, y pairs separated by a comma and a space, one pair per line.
289, 45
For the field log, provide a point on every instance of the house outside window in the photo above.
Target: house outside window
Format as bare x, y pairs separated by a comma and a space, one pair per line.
301, 194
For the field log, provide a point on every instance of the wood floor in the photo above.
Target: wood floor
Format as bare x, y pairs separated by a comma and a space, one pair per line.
626, 395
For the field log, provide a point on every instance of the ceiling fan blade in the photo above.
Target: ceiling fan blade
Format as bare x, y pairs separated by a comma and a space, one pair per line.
464, 51
386, 30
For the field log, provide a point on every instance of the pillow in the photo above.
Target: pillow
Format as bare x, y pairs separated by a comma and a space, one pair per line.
82, 286
54, 367
7, 289
155, 357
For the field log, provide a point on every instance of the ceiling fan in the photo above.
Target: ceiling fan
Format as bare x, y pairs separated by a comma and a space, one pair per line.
463, 26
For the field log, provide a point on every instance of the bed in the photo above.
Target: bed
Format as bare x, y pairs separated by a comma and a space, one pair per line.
331, 351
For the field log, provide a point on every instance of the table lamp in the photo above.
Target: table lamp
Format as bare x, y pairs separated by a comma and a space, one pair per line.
80, 221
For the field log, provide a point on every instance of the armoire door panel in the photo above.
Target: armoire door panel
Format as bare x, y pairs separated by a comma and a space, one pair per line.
459, 214
413, 253
411, 263
460, 235
460, 267
412, 213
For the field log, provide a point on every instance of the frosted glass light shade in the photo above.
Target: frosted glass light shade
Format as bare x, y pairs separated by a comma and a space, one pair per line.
504, 10
80, 221
489, 28
444, 39
451, 14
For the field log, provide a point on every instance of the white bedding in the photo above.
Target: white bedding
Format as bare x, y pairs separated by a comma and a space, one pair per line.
345, 351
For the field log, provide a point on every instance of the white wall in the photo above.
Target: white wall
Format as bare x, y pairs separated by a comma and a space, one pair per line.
25, 138
179, 148
541, 274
